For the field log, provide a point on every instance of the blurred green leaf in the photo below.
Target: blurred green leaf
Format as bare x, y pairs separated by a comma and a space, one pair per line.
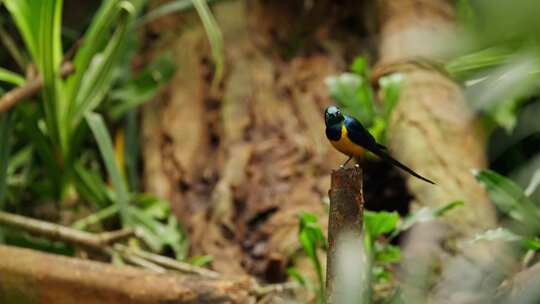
157, 234
97, 79
48, 59
505, 113
387, 254
142, 88
90, 186
379, 223
166, 9
497, 234
97, 125
532, 243
535, 181
427, 214
390, 86
510, 199
5, 130
95, 39
25, 13
472, 63
152, 206
30, 122
311, 238
200, 260
11, 77
353, 94
296, 275
360, 66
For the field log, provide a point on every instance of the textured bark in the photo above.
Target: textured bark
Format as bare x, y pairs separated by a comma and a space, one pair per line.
31, 277
240, 164
435, 133
432, 129
344, 225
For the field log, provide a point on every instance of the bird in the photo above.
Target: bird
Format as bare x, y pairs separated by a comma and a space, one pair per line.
350, 137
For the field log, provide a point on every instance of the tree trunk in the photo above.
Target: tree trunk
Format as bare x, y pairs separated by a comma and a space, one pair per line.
240, 164
434, 131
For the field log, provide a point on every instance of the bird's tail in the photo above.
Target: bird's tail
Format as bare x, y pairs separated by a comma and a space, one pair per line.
385, 156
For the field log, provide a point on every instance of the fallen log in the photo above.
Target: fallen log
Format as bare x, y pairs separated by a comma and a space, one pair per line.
28, 276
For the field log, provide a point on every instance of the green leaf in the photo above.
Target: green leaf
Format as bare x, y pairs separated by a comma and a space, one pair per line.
48, 59
311, 238
510, 199
498, 234
379, 223
11, 77
427, 214
5, 130
157, 235
95, 39
353, 94
30, 123
465, 65
390, 86
142, 88
90, 186
25, 13
387, 254
532, 243
97, 79
503, 234
97, 125
152, 205
295, 274
214, 36
200, 260
533, 184
360, 66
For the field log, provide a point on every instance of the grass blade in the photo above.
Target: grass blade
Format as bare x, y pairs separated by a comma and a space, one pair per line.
95, 40
214, 36
510, 199
11, 77
97, 79
48, 59
97, 125
24, 13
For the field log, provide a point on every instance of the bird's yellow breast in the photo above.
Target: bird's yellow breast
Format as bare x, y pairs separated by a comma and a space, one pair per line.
346, 146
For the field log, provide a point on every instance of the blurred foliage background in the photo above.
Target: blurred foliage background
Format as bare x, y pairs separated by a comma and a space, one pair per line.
70, 153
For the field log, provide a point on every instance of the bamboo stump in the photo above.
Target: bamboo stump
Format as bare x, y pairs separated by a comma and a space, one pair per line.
347, 263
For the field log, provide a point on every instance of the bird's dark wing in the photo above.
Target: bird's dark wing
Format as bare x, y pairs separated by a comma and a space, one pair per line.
361, 136
358, 134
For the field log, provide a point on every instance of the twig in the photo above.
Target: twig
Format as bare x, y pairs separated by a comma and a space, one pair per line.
167, 262
345, 249
96, 217
62, 233
135, 260
266, 289
103, 242
29, 89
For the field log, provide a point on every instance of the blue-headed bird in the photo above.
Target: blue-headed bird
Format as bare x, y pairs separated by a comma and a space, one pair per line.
350, 137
